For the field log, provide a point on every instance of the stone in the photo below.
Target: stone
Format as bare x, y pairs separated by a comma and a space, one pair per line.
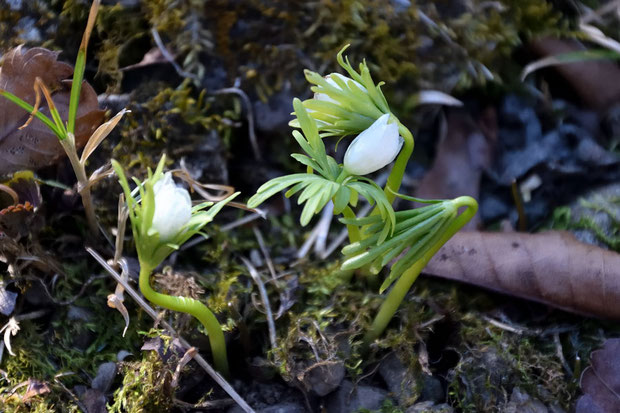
521, 402
399, 380
430, 407
105, 376
7, 300
323, 377
349, 399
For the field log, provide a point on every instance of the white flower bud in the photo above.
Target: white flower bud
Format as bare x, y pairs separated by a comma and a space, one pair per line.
326, 98
374, 148
173, 208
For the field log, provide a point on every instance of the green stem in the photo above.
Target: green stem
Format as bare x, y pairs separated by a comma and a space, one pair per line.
404, 283
354, 236
353, 230
398, 171
195, 308
80, 173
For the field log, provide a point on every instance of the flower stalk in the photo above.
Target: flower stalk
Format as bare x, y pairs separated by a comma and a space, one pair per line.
193, 307
403, 284
162, 219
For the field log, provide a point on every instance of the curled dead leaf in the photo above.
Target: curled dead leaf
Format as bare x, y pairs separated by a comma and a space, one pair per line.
601, 381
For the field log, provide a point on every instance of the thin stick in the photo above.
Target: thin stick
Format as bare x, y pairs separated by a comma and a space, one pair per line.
250, 110
265, 251
318, 235
265, 298
560, 353
168, 56
153, 314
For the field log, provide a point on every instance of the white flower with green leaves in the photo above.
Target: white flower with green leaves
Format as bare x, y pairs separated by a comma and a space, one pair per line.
162, 219
161, 214
355, 105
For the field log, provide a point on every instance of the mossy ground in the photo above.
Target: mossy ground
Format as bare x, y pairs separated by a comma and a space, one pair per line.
441, 326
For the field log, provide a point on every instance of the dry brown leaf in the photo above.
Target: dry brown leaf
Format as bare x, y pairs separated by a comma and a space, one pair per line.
462, 154
99, 135
35, 388
36, 146
601, 381
595, 81
550, 267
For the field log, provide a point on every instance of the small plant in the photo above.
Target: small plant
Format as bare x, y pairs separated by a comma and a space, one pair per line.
162, 219
345, 106
66, 131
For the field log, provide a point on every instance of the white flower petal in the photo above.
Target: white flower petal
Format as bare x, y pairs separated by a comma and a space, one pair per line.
374, 148
173, 208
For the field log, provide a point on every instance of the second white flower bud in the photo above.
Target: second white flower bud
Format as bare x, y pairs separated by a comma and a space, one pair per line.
374, 148
325, 97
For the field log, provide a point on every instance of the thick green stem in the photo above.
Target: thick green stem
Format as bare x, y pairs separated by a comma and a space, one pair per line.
195, 308
404, 283
398, 171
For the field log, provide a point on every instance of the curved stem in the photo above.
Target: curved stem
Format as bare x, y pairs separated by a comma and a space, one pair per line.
398, 171
195, 308
404, 283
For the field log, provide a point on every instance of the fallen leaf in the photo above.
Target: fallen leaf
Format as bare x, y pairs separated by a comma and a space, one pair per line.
35, 388
601, 381
36, 146
462, 155
549, 267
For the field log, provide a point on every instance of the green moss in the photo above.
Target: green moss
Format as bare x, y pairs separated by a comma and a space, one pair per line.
606, 209
145, 388
170, 120
494, 361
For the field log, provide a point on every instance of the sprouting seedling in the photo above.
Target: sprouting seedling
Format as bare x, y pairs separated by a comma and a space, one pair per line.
355, 105
419, 233
162, 219
66, 131
324, 180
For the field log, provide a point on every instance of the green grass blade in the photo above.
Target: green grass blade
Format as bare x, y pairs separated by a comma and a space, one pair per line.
80, 65
29, 108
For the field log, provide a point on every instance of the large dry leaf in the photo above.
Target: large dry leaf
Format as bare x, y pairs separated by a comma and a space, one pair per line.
601, 381
36, 146
550, 267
